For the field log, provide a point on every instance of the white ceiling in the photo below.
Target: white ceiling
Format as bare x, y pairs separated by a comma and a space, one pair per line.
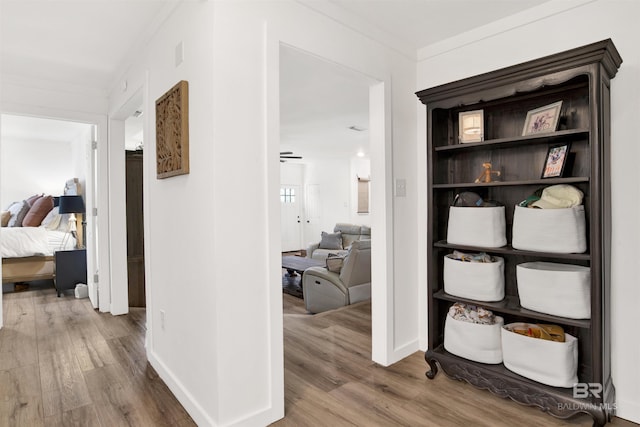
23, 128
319, 102
87, 43
83, 43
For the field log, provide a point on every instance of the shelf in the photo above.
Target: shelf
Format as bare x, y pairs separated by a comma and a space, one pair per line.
511, 305
508, 250
541, 182
506, 98
493, 144
500, 370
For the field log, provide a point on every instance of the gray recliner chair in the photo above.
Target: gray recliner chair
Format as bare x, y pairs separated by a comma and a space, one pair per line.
325, 290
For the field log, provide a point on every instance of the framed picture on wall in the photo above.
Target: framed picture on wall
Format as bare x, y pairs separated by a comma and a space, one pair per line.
172, 132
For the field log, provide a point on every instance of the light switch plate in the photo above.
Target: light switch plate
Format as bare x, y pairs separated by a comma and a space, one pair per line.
401, 187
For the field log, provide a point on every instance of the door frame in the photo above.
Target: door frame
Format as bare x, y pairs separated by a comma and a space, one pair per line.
382, 284
92, 244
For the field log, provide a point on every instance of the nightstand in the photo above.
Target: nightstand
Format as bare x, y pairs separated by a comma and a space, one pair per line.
70, 268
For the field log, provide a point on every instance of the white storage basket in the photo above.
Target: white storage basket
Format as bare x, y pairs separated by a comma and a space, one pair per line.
548, 362
474, 341
480, 281
472, 226
558, 289
550, 230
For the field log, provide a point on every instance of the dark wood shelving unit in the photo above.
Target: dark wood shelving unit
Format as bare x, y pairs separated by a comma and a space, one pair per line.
511, 305
508, 250
580, 78
494, 144
538, 182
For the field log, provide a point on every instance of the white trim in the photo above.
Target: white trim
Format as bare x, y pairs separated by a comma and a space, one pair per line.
100, 121
119, 295
196, 412
271, 145
382, 284
527, 16
628, 410
361, 26
117, 202
421, 158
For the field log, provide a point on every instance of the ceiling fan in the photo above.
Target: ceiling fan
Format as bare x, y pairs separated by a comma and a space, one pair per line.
284, 155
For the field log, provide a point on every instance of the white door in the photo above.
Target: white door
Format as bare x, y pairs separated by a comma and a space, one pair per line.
312, 213
291, 217
91, 236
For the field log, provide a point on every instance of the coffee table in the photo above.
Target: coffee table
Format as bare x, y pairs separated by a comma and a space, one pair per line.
295, 266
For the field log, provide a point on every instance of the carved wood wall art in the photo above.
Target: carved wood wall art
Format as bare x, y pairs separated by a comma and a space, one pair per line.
172, 131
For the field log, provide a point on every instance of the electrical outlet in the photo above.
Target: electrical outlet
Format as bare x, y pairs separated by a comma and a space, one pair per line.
162, 319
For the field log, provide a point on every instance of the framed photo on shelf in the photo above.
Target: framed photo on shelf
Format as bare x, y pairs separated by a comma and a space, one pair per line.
471, 126
556, 160
543, 119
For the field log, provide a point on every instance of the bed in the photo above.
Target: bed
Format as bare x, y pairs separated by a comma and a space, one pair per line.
27, 251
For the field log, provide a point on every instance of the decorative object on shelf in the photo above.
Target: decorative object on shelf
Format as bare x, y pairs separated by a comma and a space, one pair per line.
556, 160
73, 205
172, 132
471, 125
485, 176
543, 119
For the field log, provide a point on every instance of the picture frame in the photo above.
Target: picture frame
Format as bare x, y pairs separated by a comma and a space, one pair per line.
542, 120
172, 132
471, 126
556, 160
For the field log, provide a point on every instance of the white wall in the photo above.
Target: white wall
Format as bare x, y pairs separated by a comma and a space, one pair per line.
332, 177
221, 348
359, 167
34, 167
181, 225
536, 34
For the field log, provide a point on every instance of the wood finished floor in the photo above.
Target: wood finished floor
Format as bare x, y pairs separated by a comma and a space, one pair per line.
331, 381
64, 364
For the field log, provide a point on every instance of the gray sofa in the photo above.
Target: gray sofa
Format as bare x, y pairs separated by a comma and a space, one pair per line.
325, 290
339, 241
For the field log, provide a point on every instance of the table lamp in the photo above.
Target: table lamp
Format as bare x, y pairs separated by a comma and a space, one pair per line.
73, 205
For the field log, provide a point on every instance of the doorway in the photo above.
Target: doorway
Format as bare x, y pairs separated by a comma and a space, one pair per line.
324, 121
134, 164
41, 156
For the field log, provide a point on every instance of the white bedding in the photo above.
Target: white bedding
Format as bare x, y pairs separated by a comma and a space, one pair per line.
17, 242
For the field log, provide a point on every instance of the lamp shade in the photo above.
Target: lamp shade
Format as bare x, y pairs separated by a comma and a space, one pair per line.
71, 204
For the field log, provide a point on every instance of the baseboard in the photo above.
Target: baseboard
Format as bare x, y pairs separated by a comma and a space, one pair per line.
628, 410
262, 417
405, 350
185, 398
400, 353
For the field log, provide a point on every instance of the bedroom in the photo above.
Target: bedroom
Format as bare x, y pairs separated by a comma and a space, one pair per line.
39, 157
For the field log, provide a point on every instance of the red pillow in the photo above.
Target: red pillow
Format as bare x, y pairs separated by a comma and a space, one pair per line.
38, 211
